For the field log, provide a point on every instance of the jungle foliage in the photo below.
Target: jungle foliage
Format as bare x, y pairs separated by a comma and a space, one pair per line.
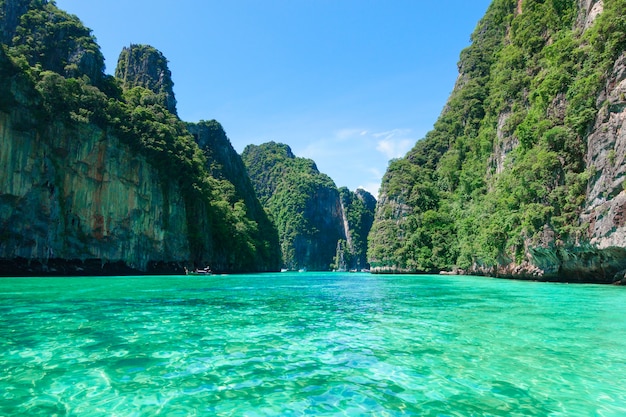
56, 58
359, 207
320, 227
505, 162
298, 198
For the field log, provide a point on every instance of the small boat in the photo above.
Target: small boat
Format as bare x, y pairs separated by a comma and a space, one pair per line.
200, 271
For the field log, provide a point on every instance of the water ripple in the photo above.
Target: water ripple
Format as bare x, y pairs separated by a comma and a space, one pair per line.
309, 344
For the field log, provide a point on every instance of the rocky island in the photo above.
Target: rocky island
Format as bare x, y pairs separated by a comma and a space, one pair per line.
523, 173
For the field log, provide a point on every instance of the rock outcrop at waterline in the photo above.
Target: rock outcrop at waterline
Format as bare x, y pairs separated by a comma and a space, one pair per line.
99, 176
523, 174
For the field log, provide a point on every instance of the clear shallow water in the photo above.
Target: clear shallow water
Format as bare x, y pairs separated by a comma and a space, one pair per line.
310, 344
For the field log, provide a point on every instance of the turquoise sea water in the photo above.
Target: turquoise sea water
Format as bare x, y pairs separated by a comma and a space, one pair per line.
310, 344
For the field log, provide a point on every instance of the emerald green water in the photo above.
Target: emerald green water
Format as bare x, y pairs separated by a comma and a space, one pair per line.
310, 344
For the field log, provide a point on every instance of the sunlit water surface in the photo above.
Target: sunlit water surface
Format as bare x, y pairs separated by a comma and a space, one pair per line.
310, 344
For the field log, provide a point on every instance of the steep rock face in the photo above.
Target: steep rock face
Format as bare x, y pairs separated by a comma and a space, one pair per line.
303, 203
322, 211
523, 174
80, 196
145, 66
605, 207
589, 10
212, 140
358, 209
226, 164
98, 179
10, 13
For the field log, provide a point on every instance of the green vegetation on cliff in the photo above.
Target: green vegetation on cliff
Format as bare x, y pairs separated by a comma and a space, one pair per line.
49, 38
247, 215
51, 77
319, 226
358, 207
504, 168
145, 66
303, 203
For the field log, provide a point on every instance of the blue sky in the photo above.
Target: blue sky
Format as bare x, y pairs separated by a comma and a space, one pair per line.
347, 83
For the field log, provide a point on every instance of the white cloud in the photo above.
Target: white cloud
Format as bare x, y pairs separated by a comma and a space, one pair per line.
376, 173
394, 143
316, 150
394, 148
392, 133
356, 157
345, 134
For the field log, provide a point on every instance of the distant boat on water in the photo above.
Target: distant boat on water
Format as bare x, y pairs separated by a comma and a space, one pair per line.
200, 271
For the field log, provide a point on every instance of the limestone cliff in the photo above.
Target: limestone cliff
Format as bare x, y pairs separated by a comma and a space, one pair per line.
307, 209
358, 209
98, 177
145, 66
605, 205
226, 164
74, 200
522, 175
11, 12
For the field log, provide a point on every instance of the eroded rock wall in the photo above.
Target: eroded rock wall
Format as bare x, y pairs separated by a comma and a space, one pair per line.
81, 195
605, 208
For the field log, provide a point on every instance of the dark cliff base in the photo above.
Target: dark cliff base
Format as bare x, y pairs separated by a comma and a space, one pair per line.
574, 278
610, 277
571, 264
21, 267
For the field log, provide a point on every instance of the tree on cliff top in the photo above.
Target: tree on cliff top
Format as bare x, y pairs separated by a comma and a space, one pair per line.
52, 39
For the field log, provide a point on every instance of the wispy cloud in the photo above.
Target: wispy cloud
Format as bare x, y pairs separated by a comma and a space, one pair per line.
394, 143
345, 134
392, 133
356, 157
375, 172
